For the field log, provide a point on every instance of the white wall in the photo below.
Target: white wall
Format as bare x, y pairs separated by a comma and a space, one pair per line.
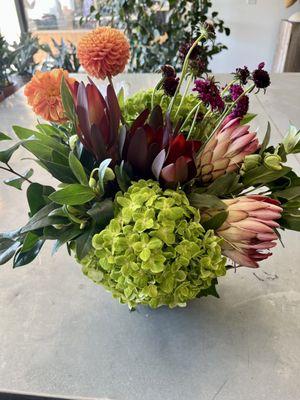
254, 30
9, 23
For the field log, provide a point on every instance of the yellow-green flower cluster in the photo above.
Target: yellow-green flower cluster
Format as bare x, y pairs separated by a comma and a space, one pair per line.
141, 100
155, 251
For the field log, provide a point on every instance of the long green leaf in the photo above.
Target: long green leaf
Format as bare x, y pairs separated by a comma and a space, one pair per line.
266, 140
18, 182
78, 169
205, 200
5, 155
263, 175
3, 136
8, 247
74, 194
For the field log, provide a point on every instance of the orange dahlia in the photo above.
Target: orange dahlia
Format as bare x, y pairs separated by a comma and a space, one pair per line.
43, 94
103, 52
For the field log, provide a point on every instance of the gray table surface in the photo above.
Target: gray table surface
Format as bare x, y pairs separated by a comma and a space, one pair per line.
62, 335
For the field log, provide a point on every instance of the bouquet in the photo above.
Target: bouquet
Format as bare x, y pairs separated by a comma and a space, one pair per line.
160, 193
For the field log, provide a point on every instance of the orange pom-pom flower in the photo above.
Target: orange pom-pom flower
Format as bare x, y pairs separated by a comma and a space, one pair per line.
43, 94
103, 52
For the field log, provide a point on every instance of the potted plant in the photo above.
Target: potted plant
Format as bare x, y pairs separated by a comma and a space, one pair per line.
23, 62
6, 58
63, 56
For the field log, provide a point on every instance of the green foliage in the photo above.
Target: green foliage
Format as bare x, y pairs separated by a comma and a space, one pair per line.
63, 56
26, 48
7, 55
155, 251
155, 32
137, 103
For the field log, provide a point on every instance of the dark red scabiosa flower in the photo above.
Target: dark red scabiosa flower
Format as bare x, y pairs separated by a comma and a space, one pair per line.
152, 148
169, 80
209, 93
169, 85
198, 62
242, 74
168, 71
185, 47
242, 106
260, 77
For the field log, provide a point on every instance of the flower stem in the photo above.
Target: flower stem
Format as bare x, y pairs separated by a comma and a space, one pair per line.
194, 122
154, 90
228, 86
184, 70
189, 115
12, 171
184, 94
226, 113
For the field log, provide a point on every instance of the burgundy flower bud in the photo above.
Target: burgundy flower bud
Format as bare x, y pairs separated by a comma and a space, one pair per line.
260, 77
168, 71
170, 85
185, 47
209, 93
242, 74
241, 108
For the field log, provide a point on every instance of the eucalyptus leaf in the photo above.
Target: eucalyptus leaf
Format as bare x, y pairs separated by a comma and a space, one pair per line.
216, 221
42, 219
22, 258
74, 194
8, 247
247, 118
29, 241
78, 169
266, 140
3, 136
205, 200
83, 243
5, 155
102, 213
18, 182
225, 184
23, 133
291, 193
37, 196
262, 175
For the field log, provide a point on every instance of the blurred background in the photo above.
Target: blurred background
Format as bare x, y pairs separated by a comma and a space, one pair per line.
43, 34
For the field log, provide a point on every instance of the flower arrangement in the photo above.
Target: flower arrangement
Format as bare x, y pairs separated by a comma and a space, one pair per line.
159, 194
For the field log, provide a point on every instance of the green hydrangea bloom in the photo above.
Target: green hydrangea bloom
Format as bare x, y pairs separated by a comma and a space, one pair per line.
155, 251
135, 104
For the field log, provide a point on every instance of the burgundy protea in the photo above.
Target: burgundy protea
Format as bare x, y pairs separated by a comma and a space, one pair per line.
209, 93
248, 231
152, 148
260, 77
98, 120
226, 150
242, 74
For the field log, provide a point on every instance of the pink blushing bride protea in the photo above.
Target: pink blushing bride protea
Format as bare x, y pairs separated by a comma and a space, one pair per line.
248, 231
226, 150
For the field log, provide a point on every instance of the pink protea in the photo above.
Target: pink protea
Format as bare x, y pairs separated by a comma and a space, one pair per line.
248, 231
226, 150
